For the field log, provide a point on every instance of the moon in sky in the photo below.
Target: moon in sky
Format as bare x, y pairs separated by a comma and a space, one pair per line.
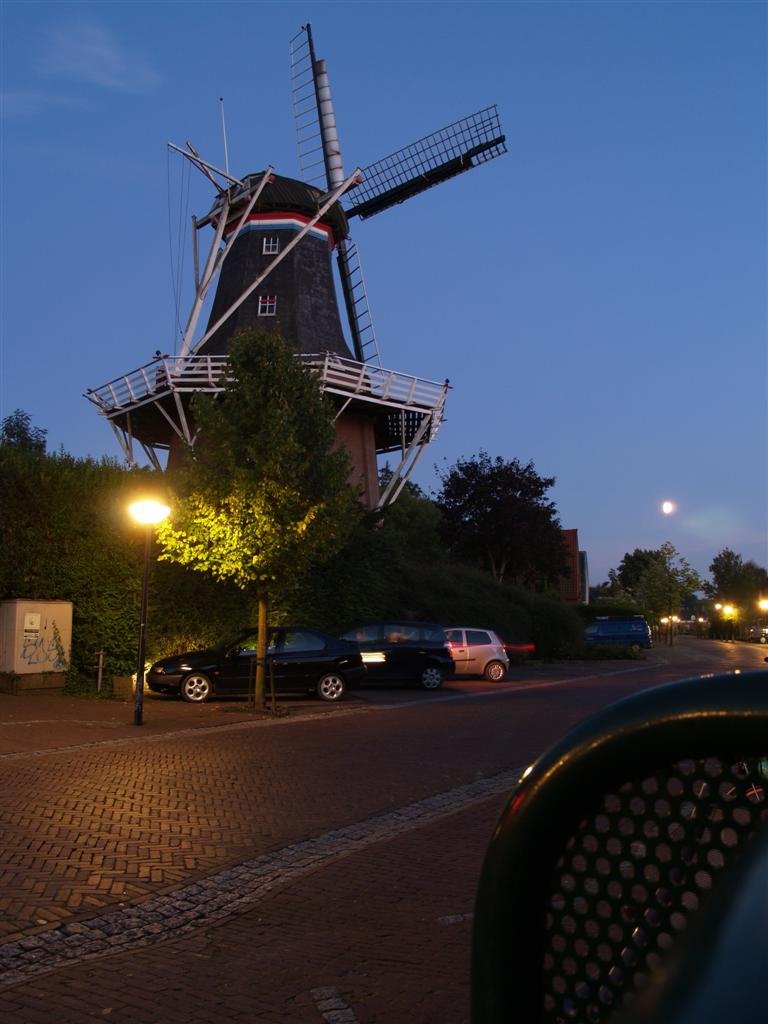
668, 507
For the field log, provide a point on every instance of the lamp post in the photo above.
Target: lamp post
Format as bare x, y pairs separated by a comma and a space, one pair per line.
762, 635
147, 512
729, 614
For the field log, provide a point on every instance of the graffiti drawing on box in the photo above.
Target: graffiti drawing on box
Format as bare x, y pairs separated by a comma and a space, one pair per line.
37, 648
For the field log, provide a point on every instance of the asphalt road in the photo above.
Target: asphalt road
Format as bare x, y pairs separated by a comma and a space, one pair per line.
317, 867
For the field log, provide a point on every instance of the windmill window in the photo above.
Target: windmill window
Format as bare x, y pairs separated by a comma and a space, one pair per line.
267, 305
270, 245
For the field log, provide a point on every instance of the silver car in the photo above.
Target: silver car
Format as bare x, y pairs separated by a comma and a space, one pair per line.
477, 652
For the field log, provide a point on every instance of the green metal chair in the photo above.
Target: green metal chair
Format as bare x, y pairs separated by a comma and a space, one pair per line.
618, 851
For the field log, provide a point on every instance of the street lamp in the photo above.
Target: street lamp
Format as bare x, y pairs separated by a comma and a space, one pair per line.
147, 512
762, 634
729, 613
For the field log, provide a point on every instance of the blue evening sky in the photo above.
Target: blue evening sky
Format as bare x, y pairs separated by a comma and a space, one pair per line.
597, 296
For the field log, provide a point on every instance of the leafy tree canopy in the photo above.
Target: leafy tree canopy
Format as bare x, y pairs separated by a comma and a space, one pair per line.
736, 581
264, 496
666, 583
496, 513
16, 431
626, 579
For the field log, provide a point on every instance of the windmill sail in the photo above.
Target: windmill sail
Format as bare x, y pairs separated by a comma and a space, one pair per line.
356, 300
462, 145
320, 156
306, 118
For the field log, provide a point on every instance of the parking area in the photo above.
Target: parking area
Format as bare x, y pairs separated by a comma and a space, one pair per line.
46, 720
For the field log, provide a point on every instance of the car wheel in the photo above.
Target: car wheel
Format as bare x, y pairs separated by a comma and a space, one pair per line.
331, 687
431, 677
494, 671
635, 648
196, 688
763, 639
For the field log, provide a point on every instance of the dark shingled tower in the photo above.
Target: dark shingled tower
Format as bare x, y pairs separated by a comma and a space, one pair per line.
298, 298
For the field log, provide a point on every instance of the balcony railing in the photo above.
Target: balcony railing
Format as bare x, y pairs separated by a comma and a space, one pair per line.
208, 373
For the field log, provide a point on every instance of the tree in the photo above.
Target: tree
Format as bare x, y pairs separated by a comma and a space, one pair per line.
626, 579
16, 431
496, 514
736, 581
264, 498
666, 583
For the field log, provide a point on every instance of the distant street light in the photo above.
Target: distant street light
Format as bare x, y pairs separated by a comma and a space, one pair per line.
670, 621
148, 513
729, 613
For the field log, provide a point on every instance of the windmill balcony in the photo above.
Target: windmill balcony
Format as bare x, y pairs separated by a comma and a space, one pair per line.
152, 403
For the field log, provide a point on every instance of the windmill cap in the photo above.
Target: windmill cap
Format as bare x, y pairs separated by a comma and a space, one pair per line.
283, 195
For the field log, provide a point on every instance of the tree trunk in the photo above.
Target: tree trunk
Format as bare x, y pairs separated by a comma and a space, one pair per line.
261, 652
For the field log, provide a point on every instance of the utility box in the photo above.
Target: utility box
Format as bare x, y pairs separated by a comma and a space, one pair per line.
35, 643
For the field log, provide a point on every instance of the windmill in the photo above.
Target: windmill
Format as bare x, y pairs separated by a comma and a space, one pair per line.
271, 256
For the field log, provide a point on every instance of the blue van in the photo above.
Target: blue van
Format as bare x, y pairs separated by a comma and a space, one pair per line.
634, 633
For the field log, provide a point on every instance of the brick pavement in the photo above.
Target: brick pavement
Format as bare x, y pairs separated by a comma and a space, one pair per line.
109, 825
90, 828
106, 821
385, 927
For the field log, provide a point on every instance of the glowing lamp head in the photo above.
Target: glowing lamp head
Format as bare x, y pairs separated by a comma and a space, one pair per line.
668, 508
149, 511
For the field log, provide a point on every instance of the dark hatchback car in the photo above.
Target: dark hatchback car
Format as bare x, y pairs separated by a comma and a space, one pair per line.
302, 661
404, 651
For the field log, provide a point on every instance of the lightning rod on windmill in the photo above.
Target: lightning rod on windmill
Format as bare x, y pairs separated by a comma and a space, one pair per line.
224, 134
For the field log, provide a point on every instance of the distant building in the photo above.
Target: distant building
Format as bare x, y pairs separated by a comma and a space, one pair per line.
575, 586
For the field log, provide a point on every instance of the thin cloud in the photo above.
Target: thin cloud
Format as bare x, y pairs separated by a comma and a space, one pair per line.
24, 104
88, 53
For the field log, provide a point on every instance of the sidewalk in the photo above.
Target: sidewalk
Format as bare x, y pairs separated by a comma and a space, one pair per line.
49, 721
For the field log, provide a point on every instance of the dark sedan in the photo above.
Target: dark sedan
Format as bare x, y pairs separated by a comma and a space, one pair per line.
301, 660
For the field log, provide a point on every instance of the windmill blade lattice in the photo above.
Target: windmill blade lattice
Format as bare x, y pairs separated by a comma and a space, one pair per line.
306, 120
316, 162
462, 145
356, 299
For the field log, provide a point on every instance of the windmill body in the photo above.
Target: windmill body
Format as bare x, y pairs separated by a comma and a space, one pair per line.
273, 241
298, 298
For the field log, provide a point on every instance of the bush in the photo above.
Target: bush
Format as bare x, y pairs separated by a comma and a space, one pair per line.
189, 611
558, 630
